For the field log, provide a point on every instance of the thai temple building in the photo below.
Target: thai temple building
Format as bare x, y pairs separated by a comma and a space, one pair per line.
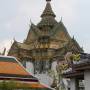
13, 76
45, 45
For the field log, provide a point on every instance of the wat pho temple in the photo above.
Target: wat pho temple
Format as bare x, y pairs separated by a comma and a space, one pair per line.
47, 46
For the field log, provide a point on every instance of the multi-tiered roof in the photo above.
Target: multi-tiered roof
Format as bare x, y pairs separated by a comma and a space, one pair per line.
12, 70
48, 28
48, 17
49, 34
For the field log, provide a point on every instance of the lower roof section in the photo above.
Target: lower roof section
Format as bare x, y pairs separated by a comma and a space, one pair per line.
11, 71
23, 85
71, 74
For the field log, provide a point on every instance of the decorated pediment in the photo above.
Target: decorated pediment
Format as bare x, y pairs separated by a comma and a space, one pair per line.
60, 32
33, 34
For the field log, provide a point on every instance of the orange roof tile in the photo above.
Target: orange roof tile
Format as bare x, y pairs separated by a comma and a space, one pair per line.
12, 68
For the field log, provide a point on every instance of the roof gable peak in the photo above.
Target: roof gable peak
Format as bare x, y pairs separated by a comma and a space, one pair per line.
48, 10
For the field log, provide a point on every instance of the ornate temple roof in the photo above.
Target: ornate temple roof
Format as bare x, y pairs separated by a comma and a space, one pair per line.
48, 16
32, 34
58, 36
48, 11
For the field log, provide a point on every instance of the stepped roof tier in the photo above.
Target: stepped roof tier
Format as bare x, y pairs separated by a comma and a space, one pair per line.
48, 11
48, 18
10, 67
12, 70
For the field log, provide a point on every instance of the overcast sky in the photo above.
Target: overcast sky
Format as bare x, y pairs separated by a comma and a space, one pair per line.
15, 18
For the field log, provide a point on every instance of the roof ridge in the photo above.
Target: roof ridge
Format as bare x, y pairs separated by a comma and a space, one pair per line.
7, 59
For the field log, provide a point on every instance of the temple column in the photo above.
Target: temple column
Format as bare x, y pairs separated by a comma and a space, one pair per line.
73, 84
87, 79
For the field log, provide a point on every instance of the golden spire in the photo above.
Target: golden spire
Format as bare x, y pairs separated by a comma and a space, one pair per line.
48, 16
48, 10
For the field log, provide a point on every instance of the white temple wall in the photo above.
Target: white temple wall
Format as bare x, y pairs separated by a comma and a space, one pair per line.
44, 78
73, 84
53, 66
30, 67
87, 79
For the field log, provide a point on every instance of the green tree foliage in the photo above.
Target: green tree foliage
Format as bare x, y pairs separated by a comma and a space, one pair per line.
12, 85
7, 85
